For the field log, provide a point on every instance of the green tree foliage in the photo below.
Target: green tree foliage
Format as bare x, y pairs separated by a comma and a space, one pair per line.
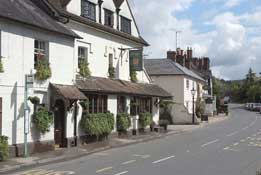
247, 90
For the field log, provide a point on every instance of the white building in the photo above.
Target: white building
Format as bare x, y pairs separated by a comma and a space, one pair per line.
100, 33
179, 81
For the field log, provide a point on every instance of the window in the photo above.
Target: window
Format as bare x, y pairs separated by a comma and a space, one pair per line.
121, 104
111, 59
141, 105
187, 104
82, 55
1, 108
88, 10
40, 51
187, 84
108, 18
125, 25
97, 103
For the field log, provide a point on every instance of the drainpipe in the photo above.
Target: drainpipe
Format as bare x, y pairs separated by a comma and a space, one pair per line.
100, 11
75, 123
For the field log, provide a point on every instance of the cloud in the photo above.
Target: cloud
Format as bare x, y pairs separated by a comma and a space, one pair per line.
231, 44
232, 3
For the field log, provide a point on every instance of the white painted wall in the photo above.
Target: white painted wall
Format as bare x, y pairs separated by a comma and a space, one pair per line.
112, 107
17, 48
100, 46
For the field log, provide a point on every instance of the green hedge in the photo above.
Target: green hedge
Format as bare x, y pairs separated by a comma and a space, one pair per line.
4, 150
123, 122
145, 119
43, 119
97, 124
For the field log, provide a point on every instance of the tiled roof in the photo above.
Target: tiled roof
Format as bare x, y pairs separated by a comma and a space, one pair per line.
27, 12
68, 92
168, 67
109, 86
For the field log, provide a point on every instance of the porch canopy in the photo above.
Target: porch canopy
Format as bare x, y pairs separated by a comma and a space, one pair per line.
68, 92
113, 86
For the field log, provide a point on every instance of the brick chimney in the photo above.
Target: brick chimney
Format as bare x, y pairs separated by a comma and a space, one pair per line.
189, 52
171, 55
206, 63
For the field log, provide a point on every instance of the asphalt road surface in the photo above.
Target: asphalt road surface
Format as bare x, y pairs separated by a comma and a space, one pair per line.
231, 147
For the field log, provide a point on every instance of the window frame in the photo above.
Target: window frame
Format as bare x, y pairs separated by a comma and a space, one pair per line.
40, 52
187, 84
98, 103
84, 59
87, 14
110, 14
123, 28
121, 104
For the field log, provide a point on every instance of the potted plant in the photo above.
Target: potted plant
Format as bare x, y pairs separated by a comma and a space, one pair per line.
123, 123
43, 70
111, 71
43, 119
84, 69
145, 119
1, 65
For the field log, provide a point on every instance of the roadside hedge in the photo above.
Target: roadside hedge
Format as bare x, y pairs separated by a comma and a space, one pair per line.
145, 119
123, 122
97, 124
4, 150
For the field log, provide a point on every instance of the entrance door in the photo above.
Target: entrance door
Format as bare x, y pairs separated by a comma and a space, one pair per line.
59, 123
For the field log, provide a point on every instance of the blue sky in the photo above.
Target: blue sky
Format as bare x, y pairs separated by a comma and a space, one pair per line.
227, 31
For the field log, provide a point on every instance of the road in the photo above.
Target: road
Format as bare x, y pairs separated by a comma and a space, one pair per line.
231, 147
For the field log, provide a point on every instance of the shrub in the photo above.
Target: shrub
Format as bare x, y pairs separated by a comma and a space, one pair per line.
111, 71
85, 105
4, 150
43, 70
123, 122
1, 65
43, 119
145, 119
84, 69
97, 124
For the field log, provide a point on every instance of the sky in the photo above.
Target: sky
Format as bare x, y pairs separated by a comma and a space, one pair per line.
226, 31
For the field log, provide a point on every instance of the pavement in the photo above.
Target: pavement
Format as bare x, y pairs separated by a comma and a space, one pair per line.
96, 149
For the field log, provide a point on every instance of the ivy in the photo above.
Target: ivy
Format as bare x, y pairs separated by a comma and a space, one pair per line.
84, 69
43, 70
4, 150
1, 65
123, 122
111, 71
43, 119
97, 124
133, 76
145, 119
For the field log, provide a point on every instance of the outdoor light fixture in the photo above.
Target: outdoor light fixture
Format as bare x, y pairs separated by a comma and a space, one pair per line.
193, 92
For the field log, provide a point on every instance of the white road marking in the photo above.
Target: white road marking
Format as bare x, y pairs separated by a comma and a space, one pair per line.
188, 151
124, 172
146, 156
254, 135
206, 144
245, 128
128, 162
104, 169
231, 134
164, 159
235, 144
227, 148
137, 155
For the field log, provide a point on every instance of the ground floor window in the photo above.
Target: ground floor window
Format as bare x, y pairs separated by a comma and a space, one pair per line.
1, 107
97, 103
141, 105
121, 104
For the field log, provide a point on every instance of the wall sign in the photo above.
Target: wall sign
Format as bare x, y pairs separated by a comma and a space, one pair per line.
136, 60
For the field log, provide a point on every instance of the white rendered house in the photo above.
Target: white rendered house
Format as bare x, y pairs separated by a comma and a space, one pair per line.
102, 33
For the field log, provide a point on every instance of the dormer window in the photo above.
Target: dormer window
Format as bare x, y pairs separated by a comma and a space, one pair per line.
125, 25
108, 18
88, 10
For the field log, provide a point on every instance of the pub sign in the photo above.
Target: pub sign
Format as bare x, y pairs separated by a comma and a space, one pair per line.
136, 60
